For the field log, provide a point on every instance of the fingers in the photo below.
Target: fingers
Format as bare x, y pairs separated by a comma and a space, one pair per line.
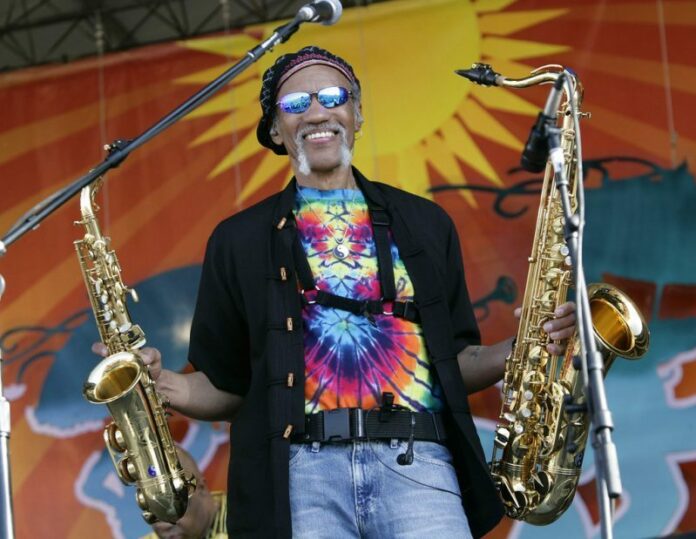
563, 325
150, 356
518, 312
565, 309
555, 349
100, 349
162, 527
561, 328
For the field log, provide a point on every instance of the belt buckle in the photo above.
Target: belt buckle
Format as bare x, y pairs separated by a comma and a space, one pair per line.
336, 424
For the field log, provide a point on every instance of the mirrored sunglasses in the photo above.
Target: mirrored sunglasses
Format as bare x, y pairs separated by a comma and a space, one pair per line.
299, 102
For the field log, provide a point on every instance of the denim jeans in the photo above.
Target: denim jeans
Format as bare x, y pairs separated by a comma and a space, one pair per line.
357, 489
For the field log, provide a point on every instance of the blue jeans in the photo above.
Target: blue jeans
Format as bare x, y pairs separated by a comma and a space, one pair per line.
357, 489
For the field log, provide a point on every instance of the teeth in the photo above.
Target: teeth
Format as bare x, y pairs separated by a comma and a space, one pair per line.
321, 134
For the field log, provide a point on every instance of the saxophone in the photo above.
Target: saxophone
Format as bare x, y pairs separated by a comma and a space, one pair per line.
543, 425
138, 440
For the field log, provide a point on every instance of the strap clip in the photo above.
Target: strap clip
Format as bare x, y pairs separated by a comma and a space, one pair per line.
388, 308
310, 296
387, 406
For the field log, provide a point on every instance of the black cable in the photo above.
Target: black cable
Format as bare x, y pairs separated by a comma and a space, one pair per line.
406, 459
376, 455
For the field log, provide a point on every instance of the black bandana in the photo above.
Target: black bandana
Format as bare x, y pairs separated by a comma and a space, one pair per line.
279, 72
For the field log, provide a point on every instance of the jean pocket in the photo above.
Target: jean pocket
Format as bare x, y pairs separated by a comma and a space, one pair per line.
296, 452
433, 453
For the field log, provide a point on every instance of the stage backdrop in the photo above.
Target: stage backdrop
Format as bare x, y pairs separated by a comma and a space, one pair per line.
426, 130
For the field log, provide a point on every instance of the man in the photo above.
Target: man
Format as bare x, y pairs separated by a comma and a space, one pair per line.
334, 324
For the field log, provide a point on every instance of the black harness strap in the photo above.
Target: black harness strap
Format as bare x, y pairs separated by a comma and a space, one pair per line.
385, 264
311, 295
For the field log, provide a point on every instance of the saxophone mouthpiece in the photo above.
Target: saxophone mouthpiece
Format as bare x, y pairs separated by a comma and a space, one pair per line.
482, 74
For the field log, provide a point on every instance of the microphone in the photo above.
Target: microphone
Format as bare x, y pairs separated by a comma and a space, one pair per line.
327, 12
536, 151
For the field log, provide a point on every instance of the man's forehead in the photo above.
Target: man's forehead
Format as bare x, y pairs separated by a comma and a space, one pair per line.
312, 78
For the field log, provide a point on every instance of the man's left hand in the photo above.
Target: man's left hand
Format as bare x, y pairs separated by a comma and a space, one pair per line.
561, 328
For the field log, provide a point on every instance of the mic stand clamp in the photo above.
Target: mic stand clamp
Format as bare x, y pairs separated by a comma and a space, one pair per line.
607, 477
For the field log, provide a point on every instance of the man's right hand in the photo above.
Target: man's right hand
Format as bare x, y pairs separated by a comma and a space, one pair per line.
192, 394
150, 356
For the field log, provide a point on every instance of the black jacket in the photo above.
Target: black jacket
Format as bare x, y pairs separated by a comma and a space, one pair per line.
247, 337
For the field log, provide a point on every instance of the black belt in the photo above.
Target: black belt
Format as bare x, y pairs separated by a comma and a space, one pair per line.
347, 424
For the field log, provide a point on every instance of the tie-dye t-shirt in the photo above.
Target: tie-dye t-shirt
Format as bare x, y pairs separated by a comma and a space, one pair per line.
349, 360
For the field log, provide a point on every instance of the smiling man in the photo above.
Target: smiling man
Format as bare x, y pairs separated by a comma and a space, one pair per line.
334, 326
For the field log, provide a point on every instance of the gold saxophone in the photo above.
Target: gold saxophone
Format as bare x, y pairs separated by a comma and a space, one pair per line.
543, 425
138, 439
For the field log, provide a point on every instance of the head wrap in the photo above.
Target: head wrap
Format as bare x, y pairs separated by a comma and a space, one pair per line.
283, 68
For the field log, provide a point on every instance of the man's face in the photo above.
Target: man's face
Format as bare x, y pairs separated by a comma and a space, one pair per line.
319, 139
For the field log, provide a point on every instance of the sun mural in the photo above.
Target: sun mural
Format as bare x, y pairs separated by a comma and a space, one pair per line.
418, 115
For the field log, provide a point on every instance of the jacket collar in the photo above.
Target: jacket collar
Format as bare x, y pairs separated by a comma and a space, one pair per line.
286, 201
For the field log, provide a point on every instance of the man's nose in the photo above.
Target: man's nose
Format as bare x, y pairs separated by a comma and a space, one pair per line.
316, 111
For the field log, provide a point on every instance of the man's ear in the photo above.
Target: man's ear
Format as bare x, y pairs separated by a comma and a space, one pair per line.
358, 117
275, 136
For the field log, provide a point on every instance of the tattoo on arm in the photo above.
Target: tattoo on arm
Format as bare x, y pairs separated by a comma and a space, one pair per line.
473, 352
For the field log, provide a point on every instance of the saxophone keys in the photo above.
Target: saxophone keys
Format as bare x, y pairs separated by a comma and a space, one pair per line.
547, 301
538, 356
553, 277
115, 439
558, 225
127, 470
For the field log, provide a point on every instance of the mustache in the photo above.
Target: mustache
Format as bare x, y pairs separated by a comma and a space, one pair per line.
324, 126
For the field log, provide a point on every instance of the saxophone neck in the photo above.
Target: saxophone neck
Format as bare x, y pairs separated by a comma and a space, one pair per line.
88, 210
485, 75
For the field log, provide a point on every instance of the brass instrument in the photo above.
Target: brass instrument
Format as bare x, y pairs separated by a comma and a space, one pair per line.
543, 425
138, 439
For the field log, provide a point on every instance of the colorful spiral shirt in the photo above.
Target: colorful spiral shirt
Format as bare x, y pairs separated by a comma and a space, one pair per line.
350, 360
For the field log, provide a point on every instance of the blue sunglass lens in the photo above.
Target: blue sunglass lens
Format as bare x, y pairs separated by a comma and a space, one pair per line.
295, 103
299, 102
332, 97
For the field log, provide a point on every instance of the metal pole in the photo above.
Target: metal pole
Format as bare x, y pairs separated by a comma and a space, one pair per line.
6, 519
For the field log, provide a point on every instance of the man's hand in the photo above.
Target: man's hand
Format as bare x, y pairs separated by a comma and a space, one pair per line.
561, 328
150, 356
192, 394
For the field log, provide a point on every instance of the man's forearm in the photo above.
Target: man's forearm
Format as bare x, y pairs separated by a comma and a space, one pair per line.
483, 366
195, 396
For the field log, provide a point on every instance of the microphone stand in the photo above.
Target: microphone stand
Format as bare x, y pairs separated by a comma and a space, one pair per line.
607, 475
117, 152
6, 521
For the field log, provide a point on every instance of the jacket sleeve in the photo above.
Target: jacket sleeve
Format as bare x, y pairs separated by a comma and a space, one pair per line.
219, 345
464, 324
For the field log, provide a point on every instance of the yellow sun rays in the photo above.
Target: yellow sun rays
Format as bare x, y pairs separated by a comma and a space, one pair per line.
419, 115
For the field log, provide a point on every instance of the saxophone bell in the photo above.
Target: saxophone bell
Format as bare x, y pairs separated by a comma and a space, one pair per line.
619, 327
